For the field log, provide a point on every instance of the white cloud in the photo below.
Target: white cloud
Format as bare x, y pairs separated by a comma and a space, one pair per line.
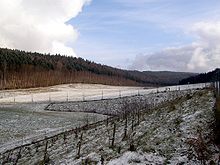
39, 25
200, 56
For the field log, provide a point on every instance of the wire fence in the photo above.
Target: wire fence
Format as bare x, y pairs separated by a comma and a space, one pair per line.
216, 86
42, 135
84, 95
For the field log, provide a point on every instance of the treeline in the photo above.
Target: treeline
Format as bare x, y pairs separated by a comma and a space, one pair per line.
20, 69
203, 78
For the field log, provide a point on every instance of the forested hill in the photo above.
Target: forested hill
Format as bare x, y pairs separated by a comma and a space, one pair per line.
20, 69
204, 77
169, 77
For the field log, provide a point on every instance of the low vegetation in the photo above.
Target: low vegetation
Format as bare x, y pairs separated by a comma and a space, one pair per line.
217, 117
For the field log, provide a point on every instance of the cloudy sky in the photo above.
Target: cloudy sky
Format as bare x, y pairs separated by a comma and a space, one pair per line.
177, 35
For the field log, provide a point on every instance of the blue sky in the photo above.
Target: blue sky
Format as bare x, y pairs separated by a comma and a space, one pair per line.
176, 35
114, 32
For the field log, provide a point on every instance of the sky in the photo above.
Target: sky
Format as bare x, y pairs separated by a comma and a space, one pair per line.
175, 35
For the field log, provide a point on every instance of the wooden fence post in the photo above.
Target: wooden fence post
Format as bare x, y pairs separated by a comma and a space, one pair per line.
79, 146
125, 128
46, 157
113, 136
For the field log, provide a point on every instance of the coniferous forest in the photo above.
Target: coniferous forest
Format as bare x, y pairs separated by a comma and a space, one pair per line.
20, 69
203, 77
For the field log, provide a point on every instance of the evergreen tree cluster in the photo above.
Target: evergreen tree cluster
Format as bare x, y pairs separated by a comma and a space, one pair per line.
203, 78
20, 69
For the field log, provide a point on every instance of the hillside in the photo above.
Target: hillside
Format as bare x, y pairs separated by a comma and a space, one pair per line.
174, 127
202, 78
20, 69
169, 77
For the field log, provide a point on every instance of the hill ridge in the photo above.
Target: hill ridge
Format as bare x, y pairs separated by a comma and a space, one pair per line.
20, 69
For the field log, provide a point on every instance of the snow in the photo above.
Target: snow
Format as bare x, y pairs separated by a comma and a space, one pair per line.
20, 123
70, 92
133, 158
160, 137
79, 92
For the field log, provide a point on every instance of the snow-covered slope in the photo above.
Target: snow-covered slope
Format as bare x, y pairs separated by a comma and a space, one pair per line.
178, 133
173, 132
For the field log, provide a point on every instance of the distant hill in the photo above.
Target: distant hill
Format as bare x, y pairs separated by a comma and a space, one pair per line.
168, 77
202, 78
20, 69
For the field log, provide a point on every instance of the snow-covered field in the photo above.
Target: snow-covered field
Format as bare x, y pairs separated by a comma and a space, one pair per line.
31, 121
23, 122
79, 92
161, 137
179, 133
66, 92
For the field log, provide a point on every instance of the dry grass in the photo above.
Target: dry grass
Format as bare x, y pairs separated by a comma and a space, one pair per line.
217, 117
200, 147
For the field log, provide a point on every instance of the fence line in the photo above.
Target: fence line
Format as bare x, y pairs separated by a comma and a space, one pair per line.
34, 138
70, 131
71, 96
216, 86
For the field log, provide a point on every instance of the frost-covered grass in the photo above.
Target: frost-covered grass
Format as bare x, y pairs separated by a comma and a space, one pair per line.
18, 122
117, 106
217, 117
176, 133
22, 122
137, 158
